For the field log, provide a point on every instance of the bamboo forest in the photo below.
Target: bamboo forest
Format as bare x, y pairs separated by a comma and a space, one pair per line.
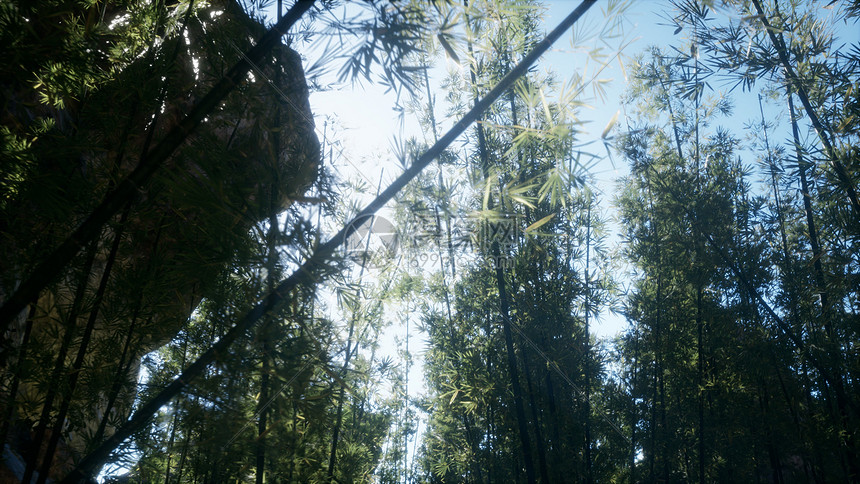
483, 241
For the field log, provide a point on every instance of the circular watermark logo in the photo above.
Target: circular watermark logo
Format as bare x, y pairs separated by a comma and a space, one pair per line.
375, 242
372, 240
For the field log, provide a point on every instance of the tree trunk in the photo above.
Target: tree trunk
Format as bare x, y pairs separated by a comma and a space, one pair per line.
772, 452
262, 415
589, 478
272, 260
78, 364
9, 413
536, 422
513, 371
634, 414
701, 385
60, 363
173, 426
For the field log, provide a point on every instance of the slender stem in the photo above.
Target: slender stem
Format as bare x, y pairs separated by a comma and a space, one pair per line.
589, 478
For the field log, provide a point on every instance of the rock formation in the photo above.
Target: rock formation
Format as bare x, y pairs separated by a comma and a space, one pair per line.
248, 160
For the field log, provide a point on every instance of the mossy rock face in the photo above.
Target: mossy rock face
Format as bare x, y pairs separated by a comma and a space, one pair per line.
243, 164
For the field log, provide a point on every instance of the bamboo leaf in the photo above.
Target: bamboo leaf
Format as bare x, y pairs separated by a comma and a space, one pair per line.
448, 49
545, 106
610, 124
540, 222
522, 200
487, 187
